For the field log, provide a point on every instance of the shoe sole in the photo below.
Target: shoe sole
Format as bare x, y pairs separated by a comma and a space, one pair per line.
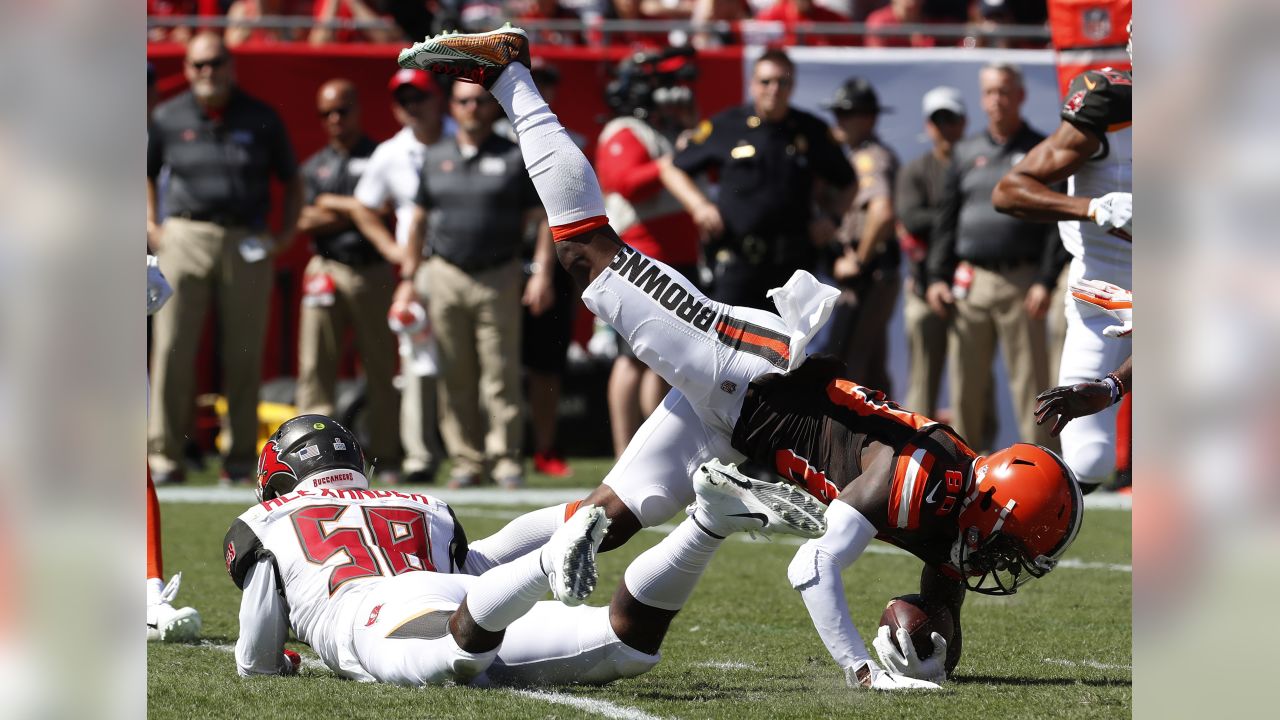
577, 575
436, 50
787, 510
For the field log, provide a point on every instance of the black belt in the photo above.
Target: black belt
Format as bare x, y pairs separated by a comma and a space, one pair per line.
770, 249
217, 218
1000, 266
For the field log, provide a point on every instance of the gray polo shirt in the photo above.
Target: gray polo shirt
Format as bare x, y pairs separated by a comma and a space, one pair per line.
219, 164
334, 171
477, 203
968, 226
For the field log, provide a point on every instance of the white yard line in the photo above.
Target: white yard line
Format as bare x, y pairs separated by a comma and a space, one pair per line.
499, 497
725, 665
591, 705
1086, 663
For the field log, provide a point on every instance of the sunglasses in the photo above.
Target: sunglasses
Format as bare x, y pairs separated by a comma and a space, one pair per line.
213, 63
782, 81
410, 97
341, 110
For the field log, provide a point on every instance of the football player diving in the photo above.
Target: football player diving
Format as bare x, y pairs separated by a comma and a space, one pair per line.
1093, 150
384, 586
744, 389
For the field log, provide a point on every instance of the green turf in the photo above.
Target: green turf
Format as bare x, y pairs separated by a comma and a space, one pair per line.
743, 617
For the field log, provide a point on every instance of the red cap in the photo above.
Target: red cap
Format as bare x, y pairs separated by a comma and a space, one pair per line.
420, 79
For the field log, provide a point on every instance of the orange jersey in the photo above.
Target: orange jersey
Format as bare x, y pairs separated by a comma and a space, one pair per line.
811, 426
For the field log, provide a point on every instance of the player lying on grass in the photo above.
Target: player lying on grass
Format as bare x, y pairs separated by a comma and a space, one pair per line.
743, 389
384, 587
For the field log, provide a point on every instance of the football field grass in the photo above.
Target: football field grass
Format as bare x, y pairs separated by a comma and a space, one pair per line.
742, 648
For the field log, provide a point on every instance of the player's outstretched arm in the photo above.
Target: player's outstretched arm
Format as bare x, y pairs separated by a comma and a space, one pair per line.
264, 627
1026, 191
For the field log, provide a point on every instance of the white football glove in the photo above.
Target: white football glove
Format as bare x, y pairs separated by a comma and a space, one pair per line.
867, 675
158, 289
1111, 299
1113, 212
906, 662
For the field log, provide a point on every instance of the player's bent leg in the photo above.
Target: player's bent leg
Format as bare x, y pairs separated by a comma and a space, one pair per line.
653, 477
401, 633
1088, 443
554, 644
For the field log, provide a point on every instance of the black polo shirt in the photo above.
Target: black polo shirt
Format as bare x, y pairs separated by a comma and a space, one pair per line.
336, 172
968, 227
766, 170
219, 166
478, 203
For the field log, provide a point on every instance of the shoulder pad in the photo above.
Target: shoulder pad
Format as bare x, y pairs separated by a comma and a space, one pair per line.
241, 549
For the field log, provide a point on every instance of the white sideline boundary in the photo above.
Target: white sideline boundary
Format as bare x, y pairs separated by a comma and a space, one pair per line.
465, 498
497, 497
591, 705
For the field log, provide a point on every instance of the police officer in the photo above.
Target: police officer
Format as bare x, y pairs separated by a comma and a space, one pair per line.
221, 147
867, 255
771, 159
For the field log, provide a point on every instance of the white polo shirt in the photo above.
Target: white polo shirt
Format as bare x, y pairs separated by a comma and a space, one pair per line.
393, 173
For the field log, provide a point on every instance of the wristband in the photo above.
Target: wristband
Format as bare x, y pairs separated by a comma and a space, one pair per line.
1114, 386
1121, 390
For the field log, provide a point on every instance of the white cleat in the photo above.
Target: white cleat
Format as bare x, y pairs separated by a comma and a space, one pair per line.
729, 501
569, 557
165, 623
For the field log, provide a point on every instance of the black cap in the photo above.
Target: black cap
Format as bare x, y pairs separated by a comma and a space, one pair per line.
856, 95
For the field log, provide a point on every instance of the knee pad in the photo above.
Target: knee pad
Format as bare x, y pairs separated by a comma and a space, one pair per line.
462, 666
1092, 461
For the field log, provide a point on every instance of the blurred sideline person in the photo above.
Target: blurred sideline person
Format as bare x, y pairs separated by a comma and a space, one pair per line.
743, 388
867, 254
348, 281
654, 105
473, 203
1092, 150
920, 193
1014, 266
221, 147
385, 588
390, 181
775, 164
164, 621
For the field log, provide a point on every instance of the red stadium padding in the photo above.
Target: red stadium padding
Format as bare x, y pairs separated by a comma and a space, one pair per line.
1088, 35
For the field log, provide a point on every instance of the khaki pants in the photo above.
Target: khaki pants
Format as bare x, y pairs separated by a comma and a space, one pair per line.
477, 324
202, 262
419, 406
362, 296
994, 310
927, 346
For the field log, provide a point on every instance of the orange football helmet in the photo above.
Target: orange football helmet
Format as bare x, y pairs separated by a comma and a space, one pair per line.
1022, 511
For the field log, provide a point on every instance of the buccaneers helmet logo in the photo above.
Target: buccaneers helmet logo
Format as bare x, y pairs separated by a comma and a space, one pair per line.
269, 463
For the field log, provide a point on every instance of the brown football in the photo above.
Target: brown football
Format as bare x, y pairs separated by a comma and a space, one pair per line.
908, 612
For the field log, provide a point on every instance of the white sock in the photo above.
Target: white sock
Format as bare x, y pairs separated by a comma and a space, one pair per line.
664, 576
560, 172
503, 594
518, 537
154, 587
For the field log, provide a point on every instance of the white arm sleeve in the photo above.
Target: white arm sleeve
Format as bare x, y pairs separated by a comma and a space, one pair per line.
815, 572
264, 624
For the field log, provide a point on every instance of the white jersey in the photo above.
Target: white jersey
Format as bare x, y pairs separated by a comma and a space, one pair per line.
392, 174
1100, 102
325, 548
